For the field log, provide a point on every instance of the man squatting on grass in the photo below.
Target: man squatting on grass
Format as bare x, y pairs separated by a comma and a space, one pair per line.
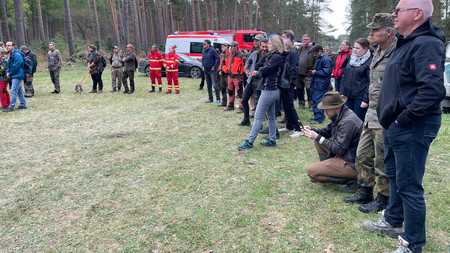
410, 112
336, 143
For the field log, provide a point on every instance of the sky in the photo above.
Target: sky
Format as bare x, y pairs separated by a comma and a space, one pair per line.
338, 16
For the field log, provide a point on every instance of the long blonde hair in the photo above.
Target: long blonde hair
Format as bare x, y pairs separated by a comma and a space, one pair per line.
278, 43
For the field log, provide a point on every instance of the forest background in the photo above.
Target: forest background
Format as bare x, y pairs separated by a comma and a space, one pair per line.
76, 23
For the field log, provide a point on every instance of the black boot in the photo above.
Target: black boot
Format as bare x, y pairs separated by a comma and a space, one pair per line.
350, 184
244, 122
126, 90
380, 203
363, 197
153, 89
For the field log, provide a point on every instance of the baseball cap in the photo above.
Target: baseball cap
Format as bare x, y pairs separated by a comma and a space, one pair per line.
381, 20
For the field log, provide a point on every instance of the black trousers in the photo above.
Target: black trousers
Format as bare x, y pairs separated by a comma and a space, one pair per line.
125, 76
287, 99
97, 79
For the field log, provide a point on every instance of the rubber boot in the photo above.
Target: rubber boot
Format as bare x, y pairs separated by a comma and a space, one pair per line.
153, 89
350, 184
380, 203
363, 197
159, 90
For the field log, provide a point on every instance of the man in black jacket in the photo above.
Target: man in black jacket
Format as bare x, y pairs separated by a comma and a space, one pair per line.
409, 110
28, 82
336, 143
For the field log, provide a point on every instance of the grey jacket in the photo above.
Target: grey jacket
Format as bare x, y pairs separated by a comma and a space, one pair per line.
54, 59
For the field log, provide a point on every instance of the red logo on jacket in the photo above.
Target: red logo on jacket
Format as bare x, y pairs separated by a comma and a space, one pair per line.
433, 66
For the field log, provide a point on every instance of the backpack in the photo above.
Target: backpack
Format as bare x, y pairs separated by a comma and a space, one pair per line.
27, 65
103, 61
286, 75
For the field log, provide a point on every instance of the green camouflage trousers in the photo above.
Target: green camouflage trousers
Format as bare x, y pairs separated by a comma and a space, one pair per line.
370, 160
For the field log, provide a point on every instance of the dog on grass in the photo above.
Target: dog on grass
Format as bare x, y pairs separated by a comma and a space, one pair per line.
79, 89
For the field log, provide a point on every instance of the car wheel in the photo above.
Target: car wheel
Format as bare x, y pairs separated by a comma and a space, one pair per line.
195, 72
147, 70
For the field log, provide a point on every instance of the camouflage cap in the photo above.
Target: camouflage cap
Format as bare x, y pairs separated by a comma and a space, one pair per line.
381, 20
234, 44
258, 37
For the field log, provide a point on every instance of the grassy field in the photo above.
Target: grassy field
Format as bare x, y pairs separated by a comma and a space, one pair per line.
161, 173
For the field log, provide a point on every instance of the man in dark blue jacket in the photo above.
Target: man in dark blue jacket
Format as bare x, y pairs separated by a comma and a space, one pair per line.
210, 63
320, 82
15, 72
409, 110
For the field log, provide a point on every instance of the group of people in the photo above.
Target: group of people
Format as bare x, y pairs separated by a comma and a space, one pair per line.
384, 112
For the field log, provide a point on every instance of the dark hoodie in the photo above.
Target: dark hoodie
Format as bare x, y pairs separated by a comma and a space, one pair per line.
413, 83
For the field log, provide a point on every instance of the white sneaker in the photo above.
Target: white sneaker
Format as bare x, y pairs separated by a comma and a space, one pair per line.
296, 134
284, 130
402, 246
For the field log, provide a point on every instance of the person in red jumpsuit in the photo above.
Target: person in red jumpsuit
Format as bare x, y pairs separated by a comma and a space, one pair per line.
171, 65
156, 62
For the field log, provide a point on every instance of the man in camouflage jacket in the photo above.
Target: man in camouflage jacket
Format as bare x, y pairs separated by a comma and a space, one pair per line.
370, 153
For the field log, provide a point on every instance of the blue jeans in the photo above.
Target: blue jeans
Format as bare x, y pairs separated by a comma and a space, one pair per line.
16, 91
211, 80
355, 106
266, 104
317, 97
405, 155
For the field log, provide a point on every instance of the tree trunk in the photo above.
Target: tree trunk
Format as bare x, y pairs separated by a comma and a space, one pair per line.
235, 15
105, 14
20, 31
199, 16
92, 19
125, 21
4, 20
171, 17
216, 16
69, 27
160, 21
114, 19
41, 23
99, 35
194, 19
225, 11
135, 24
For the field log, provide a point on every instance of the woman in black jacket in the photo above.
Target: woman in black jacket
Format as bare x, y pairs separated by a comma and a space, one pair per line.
269, 76
356, 78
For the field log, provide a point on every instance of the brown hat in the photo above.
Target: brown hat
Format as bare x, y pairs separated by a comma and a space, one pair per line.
331, 100
381, 20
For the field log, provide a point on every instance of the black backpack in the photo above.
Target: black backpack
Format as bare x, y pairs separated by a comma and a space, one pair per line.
286, 74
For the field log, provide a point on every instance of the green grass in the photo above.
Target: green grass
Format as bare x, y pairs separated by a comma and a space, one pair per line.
155, 172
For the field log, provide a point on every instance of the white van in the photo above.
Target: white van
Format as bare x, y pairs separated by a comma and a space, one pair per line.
192, 45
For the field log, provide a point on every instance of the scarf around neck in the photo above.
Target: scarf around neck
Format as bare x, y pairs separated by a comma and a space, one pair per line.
356, 61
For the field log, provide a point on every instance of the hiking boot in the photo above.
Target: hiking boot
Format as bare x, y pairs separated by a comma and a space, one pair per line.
264, 131
244, 123
28, 95
153, 89
55, 92
296, 134
246, 145
100, 91
229, 108
269, 143
126, 91
93, 91
267, 136
159, 90
380, 203
131, 92
168, 92
22, 107
8, 109
402, 246
363, 197
383, 227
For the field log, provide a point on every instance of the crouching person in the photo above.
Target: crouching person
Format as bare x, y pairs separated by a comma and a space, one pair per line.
336, 143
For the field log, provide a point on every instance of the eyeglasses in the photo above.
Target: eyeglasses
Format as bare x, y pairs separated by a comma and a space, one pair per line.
396, 11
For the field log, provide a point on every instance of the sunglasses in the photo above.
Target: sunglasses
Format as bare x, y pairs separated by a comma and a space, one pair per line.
396, 11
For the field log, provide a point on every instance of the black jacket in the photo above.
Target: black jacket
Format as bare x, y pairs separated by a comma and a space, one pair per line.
413, 83
269, 74
291, 56
342, 136
355, 81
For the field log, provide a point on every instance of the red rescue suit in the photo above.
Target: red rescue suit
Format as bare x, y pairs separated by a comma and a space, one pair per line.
171, 65
156, 62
